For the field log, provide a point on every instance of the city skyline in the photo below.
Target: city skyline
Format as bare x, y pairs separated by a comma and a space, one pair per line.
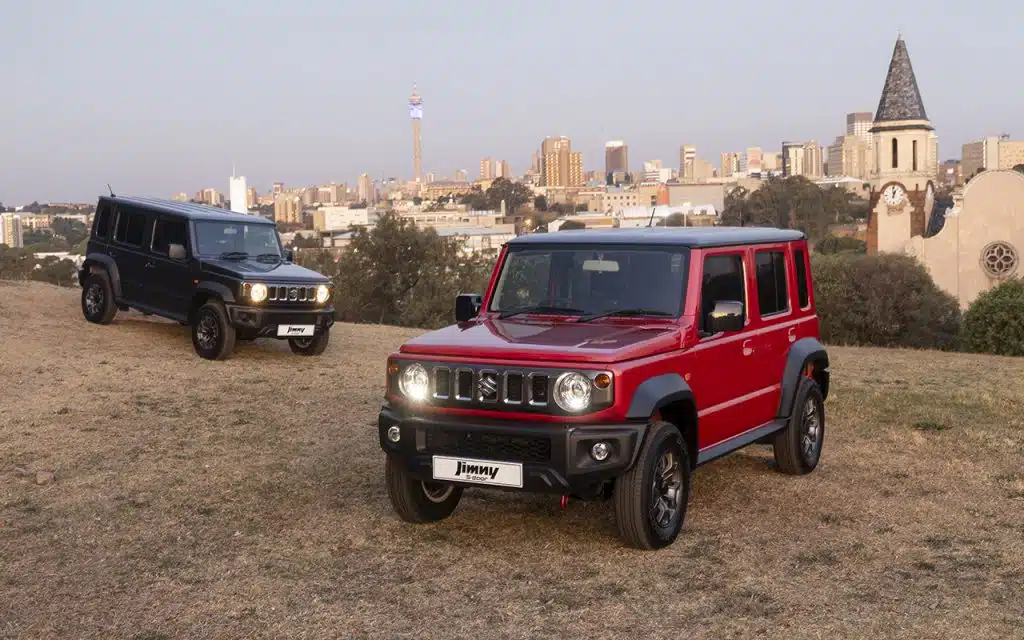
172, 118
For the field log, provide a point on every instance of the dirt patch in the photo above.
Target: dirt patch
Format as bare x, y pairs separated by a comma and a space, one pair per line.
190, 499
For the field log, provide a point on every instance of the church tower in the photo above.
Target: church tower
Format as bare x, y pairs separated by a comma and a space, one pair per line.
905, 162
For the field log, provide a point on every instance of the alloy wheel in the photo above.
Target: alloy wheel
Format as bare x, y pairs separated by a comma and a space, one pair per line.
810, 432
94, 299
208, 332
437, 491
666, 488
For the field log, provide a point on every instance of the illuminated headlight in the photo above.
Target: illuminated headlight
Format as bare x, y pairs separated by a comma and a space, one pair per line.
414, 382
323, 293
572, 392
258, 292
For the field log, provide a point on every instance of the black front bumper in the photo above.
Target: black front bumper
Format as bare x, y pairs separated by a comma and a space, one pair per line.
555, 456
265, 321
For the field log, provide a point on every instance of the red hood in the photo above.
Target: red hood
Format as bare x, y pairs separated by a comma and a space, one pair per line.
603, 342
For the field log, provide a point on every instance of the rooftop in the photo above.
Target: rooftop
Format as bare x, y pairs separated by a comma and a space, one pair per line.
670, 236
901, 99
187, 209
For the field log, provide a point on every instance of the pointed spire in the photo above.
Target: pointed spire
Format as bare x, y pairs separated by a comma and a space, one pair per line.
901, 99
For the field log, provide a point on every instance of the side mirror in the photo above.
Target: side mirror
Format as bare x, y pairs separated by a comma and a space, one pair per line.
726, 316
289, 255
467, 306
176, 251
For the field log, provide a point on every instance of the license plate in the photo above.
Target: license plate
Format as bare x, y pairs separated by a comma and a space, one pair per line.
296, 330
499, 474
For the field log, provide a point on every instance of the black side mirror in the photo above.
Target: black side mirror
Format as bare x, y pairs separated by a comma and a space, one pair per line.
467, 306
289, 255
726, 316
176, 251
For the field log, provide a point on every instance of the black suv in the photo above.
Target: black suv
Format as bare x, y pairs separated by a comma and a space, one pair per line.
224, 274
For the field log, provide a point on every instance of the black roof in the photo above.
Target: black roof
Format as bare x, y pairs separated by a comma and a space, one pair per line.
901, 99
670, 236
187, 209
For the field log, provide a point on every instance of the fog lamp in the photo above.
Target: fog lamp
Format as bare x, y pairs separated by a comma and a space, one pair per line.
600, 451
394, 434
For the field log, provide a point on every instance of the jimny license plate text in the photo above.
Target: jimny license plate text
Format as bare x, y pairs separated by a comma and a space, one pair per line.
501, 474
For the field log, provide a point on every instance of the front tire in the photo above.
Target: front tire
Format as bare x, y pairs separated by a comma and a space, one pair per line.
212, 335
98, 299
311, 346
798, 447
651, 498
416, 501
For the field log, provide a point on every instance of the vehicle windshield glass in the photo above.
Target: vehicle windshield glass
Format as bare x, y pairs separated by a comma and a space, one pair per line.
237, 238
590, 280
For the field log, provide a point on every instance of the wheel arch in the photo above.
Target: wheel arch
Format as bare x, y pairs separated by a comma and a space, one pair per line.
101, 263
807, 358
669, 398
206, 291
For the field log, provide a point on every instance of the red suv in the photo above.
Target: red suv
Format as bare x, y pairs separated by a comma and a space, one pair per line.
610, 364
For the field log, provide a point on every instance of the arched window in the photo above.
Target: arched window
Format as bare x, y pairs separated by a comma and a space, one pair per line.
914, 156
895, 155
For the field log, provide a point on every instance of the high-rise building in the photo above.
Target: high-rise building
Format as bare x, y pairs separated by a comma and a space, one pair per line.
238, 193
252, 197
859, 124
687, 163
416, 114
366, 190
461, 175
180, 197
430, 177
750, 162
487, 169
991, 153
277, 189
502, 170
211, 197
730, 164
849, 156
561, 166
288, 209
803, 159
616, 157
11, 232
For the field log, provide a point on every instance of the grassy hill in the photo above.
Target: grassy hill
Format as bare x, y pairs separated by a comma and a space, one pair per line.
245, 499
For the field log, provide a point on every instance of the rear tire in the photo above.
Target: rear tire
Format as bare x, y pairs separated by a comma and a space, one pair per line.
212, 335
651, 498
98, 299
416, 501
798, 447
311, 346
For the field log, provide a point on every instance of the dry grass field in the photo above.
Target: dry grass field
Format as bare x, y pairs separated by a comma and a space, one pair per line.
245, 499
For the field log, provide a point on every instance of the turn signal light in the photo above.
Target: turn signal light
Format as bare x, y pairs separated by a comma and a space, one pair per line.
602, 380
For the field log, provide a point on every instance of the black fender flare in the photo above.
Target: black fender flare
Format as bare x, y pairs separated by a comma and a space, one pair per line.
105, 262
210, 289
654, 393
802, 352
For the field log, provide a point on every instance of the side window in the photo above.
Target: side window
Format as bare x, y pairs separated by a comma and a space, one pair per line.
722, 280
101, 223
801, 278
131, 227
168, 231
772, 294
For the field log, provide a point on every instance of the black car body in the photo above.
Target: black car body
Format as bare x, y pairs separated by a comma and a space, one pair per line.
225, 274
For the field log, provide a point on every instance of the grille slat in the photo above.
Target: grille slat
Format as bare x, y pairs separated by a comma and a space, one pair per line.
538, 389
513, 387
291, 293
489, 446
464, 385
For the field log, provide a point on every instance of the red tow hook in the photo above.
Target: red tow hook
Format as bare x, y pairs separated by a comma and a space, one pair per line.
565, 501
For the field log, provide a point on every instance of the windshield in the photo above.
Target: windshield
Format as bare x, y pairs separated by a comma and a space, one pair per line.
237, 240
592, 280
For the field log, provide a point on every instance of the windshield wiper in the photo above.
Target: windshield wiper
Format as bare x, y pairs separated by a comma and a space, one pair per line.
233, 255
624, 312
268, 257
541, 308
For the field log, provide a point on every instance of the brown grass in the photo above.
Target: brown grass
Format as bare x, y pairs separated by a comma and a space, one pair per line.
245, 499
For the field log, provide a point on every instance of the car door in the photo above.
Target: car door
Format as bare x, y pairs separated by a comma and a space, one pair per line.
774, 325
128, 250
168, 285
725, 379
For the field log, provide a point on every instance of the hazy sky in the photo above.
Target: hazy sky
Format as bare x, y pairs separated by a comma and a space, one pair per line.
161, 97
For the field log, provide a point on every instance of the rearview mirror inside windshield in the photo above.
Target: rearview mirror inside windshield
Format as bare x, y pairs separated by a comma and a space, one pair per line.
601, 266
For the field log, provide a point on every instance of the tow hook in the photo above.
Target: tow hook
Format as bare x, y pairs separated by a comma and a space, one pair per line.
565, 501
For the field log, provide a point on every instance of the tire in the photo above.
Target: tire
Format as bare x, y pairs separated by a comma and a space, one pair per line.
311, 346
638, 490
798, 446
98, 299
213, 337
419, 502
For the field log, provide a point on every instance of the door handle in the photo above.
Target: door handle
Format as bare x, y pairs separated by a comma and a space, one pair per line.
747, 349
150, 265
792, 334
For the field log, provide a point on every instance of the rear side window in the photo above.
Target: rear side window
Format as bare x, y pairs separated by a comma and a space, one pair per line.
722, 280
801, 278
101, 224
168, 231
131, 227
772, 294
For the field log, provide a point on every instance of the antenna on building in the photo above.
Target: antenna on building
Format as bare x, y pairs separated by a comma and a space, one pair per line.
654, 203
111, 191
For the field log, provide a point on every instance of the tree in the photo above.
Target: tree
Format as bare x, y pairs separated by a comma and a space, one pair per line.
72, 230
570, 225
672, 220
1019, 167
358, 205
609, 180
475, 199
514, 194
540, 203
306, 242
735, 213
417, 201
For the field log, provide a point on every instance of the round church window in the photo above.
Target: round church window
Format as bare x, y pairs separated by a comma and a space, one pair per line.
999, 259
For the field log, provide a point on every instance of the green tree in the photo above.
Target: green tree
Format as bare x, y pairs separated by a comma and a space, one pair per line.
514, 194
1019, 167
475, 199
417, 201
540, 203
736, 212
994, 323
72, 231
609, 179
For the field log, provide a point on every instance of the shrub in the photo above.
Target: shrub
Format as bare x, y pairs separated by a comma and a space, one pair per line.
994, 323
840, 244
883, 301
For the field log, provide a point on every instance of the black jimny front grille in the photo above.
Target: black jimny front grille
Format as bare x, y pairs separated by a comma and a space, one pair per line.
489, 446
291, 293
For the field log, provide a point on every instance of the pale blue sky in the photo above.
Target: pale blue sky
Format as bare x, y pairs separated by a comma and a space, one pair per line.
161, 97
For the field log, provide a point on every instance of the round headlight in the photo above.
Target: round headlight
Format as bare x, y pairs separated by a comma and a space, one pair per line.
258, 293
322, 294
414, 382
572, 392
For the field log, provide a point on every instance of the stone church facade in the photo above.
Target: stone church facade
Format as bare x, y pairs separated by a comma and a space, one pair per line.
969, 243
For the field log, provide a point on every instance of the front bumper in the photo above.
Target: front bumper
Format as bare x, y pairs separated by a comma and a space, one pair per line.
555, 456
264, 321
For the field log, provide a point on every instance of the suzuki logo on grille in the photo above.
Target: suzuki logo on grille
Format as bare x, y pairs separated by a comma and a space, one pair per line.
293, 294
487, 386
